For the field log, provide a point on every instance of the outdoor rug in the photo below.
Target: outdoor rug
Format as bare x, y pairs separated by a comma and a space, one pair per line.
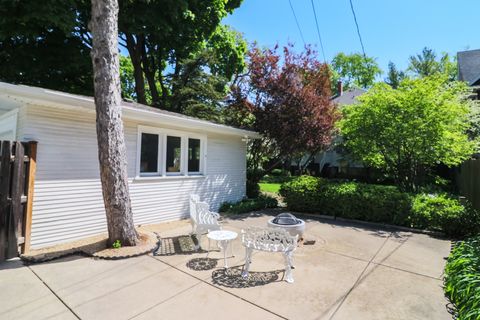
184, 244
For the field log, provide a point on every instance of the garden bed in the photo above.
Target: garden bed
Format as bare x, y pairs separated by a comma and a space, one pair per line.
95, 246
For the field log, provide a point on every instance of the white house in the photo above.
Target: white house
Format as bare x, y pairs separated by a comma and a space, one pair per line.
169, 157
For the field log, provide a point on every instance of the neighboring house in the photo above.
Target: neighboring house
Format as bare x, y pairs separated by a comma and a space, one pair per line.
169, 157
331, 162
469, 70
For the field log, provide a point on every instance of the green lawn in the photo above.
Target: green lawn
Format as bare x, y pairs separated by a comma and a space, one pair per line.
270, 187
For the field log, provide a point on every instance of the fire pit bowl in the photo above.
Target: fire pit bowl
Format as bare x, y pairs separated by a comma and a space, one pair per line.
288, 222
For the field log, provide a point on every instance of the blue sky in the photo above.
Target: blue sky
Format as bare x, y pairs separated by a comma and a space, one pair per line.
392, 30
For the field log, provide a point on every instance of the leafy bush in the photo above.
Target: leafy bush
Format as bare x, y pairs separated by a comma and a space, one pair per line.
253, 189
116, 244
247, 205
280, 173
444, 213
462, 279
348, 199
379, 203
301, 194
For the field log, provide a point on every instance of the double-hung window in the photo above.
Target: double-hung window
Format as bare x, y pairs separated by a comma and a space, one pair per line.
169, 153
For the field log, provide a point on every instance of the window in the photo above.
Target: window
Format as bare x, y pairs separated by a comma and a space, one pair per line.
149, 153
163, 152
174, 154
193, 155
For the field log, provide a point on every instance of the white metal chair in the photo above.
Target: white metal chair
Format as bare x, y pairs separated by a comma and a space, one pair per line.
202, 219
270, 240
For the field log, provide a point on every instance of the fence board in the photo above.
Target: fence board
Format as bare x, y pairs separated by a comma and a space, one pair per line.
32, 169
16, 206
17, 169
468, 181
4, 195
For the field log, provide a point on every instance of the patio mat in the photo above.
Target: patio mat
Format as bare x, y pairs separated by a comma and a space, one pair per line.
184, 244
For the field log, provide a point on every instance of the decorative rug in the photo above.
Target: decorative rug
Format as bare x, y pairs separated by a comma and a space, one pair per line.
185, 244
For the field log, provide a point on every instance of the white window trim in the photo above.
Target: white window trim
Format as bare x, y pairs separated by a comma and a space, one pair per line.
162, 147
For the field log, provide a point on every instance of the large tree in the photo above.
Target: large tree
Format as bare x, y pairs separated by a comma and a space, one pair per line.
47, 43
355, 70
161, 35
426, 64
394, 76
43, 44
408, 130
286, 97
110, 134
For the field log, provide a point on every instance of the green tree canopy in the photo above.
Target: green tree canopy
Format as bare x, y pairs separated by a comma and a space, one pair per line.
47, 43
394, 76
426, 64
406, 131
355, 70
43, 45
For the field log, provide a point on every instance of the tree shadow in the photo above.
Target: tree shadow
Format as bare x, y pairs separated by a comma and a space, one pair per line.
232, 278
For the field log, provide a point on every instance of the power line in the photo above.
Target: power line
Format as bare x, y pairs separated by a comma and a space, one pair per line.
318, 31
358, 31
296, 21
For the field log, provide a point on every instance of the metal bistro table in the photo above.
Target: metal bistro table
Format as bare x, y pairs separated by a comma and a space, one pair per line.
223, 238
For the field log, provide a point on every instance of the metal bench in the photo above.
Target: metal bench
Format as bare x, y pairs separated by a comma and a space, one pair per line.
202, 219
270, 240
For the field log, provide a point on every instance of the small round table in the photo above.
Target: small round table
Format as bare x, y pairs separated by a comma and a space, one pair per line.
223, 237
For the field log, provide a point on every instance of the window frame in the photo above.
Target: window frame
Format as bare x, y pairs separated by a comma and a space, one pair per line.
162, 153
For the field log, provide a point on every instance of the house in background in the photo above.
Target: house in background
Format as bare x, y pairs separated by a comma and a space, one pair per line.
333, 162
469, 70
169, 157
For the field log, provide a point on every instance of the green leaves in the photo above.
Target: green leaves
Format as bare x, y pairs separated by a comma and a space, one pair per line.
355, 70
407, 130
462, 279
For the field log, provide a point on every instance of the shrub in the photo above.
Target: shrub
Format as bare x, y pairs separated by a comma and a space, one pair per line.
379, 203
347, 199
280, 173
247, 205
301, 194
462, 279
442, 212
253, 189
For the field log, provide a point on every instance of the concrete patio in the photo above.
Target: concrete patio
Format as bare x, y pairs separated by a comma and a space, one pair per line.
351, 272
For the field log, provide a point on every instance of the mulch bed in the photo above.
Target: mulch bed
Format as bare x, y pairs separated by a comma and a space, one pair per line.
96, 247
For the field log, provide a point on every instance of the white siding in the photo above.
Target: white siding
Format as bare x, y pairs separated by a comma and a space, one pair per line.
68, 200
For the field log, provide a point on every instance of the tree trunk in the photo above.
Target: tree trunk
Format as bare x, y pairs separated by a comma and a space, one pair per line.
149, 70
134, 50
110, 135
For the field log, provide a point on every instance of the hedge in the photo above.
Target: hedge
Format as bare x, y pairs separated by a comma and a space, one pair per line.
248, 205
462, 279
379, 203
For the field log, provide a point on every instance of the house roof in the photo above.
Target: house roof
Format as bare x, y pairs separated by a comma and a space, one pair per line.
129, 109
348, 96
469, 66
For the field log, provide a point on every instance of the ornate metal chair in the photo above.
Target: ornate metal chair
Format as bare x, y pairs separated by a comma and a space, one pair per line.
202, 219
270, 240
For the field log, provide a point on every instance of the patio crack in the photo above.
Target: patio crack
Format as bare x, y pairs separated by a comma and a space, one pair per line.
219, 288
55, 294
361, 276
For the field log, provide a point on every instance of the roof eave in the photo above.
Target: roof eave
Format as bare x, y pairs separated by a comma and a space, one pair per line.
57, 99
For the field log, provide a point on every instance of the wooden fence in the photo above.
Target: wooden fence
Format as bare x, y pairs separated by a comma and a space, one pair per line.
17, 175
468, 181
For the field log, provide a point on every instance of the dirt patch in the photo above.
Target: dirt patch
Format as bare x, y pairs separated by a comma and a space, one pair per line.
95, 246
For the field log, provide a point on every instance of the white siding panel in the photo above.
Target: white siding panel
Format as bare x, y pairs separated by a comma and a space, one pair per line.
68, 201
